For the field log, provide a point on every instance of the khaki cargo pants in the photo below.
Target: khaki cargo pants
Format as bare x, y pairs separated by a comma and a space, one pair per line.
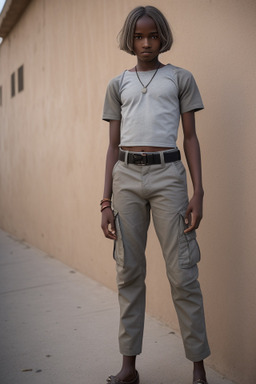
161, 189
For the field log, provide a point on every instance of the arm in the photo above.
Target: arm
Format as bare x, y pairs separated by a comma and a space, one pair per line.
194, 211
107, 221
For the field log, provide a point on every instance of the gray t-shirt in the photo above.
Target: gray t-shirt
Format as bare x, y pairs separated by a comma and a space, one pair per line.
151, 119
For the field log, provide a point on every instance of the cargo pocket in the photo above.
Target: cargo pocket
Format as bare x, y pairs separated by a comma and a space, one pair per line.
189, 252
118, 252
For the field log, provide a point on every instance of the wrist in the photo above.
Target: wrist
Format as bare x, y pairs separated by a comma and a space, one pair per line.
105, 203
105, 199
199, 192
103, 207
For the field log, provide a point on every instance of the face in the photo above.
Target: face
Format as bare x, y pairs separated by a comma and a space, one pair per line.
146, 42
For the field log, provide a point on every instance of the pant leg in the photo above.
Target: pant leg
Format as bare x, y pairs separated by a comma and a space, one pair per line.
181, 253
132, 221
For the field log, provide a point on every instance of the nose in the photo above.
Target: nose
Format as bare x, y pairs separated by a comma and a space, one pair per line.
146, 43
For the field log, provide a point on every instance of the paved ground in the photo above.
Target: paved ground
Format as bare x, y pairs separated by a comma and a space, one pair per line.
59, 327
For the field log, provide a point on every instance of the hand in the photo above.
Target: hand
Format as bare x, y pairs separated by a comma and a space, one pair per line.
108, 224
194, 212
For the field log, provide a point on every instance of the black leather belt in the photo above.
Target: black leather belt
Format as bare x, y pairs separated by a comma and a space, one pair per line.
149, 158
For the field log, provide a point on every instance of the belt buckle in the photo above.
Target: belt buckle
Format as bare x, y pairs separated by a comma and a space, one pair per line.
140, 159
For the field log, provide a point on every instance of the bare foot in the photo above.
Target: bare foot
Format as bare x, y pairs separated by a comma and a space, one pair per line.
128, 371
126, 375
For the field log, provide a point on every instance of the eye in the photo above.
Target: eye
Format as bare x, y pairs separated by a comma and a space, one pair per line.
137, 37
154, 37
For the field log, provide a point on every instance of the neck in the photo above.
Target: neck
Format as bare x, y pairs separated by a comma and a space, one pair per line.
148, 66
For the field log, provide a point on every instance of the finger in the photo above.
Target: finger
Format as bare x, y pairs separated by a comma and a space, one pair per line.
109, 232
112, 232
188, 215
112, 227
111, 236
106, 233
188, 221
108, 224
195, 221
188, 218
189, 229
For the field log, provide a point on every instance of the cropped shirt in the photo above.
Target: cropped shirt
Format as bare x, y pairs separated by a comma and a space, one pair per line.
151, 118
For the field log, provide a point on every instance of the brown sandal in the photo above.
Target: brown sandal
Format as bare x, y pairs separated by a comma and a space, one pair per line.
114, 380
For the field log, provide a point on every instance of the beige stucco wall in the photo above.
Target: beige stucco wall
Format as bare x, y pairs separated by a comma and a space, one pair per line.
53, 143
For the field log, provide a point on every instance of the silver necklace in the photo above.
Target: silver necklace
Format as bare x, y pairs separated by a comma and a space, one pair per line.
144, 89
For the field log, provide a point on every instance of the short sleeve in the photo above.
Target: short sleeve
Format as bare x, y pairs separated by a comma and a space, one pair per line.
112, 104
189, 95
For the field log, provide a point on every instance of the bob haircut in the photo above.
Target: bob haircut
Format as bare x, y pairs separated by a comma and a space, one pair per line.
126, 35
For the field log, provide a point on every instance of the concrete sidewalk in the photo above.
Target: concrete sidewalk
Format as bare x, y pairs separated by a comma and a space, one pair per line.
60, 327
